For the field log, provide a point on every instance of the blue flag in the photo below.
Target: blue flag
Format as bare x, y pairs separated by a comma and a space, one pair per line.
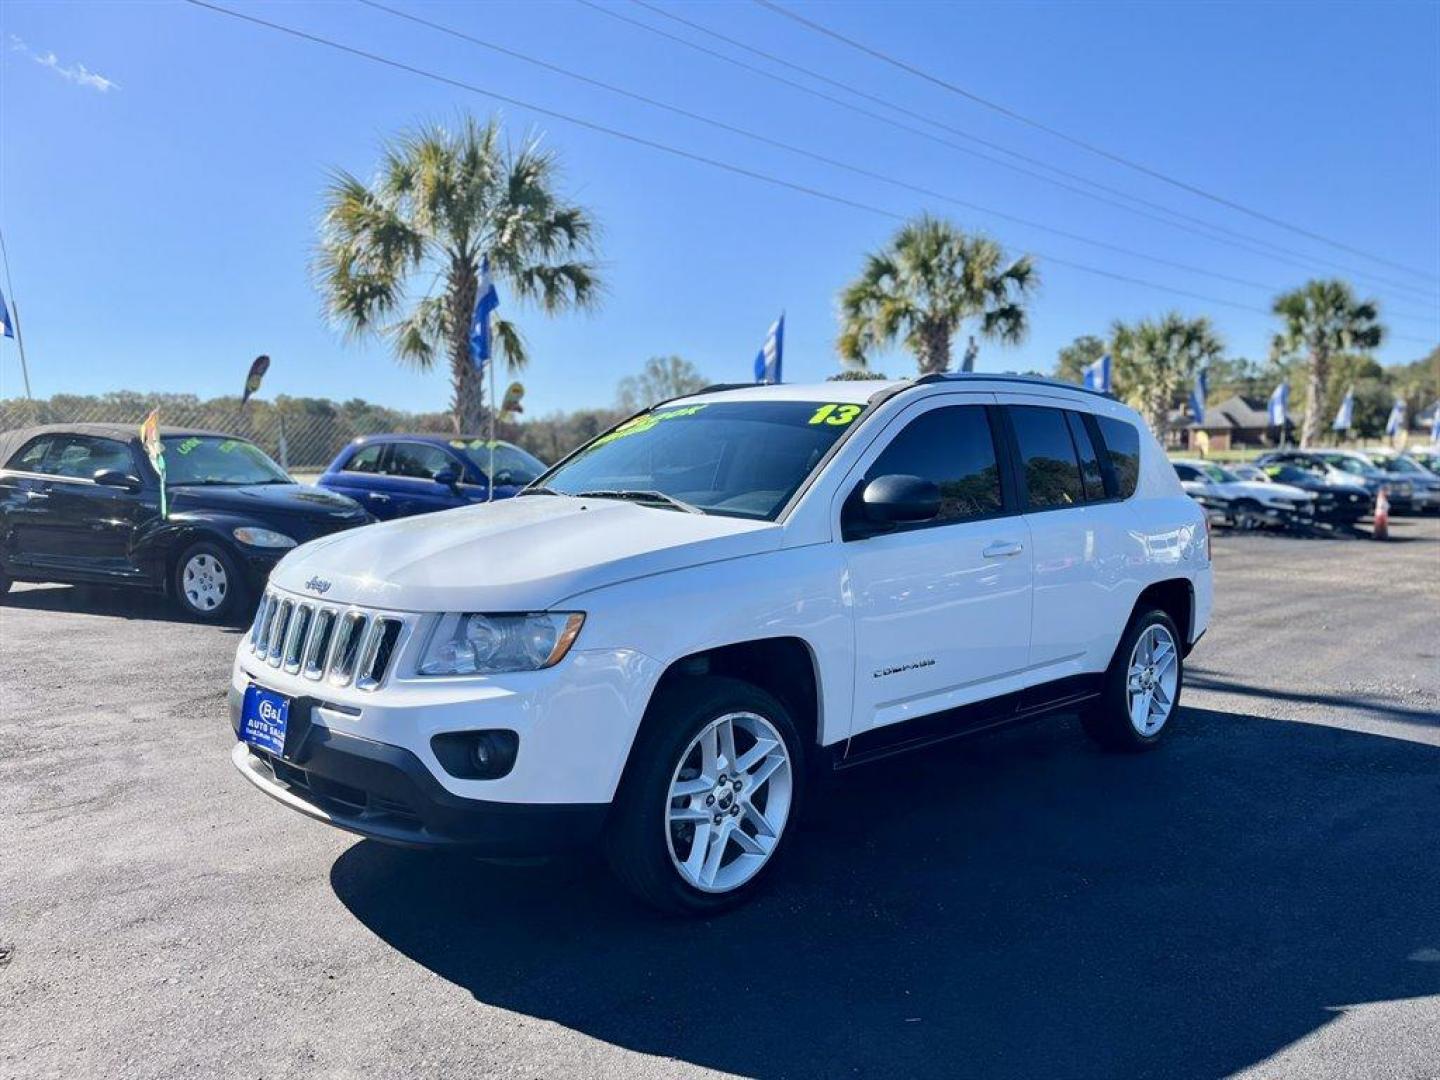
1345, 418
1198, 394
1280, 405
486, 301
1396, 423
6, 326
1435, 425
767, 360
1097, 375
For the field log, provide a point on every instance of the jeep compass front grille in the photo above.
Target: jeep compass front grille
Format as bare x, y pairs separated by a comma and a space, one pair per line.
338, 645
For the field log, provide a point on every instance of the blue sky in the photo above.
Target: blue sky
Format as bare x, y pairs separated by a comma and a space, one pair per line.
160, 170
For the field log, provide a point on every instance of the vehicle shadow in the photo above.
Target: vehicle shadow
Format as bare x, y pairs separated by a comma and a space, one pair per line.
1021, 905
115, 602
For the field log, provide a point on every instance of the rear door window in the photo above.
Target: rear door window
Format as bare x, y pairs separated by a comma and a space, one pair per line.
1122, 444
1091, 474
30, 456
1048, 463
954, 447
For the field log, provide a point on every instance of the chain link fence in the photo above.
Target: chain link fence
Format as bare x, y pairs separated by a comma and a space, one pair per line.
302, 434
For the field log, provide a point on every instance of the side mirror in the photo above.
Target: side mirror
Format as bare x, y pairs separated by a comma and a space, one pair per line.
896, 499
116, 479
449, 476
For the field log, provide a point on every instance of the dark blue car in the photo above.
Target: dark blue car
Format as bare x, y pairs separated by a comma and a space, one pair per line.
396, 476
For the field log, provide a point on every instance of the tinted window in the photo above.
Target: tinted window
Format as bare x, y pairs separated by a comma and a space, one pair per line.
1090, 471
1052, 474
30, 455
954, 448
366, 459
1122, 443
81, 456
1185, 472
512, 465
419, 460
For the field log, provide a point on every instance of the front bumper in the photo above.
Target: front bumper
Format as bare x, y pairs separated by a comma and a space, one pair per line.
386, 793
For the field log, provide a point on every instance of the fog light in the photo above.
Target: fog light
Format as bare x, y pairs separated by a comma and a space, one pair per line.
476, 755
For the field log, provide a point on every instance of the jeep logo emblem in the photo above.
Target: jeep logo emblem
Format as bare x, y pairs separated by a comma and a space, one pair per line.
318, 584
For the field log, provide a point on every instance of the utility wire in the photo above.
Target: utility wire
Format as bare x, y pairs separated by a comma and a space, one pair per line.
639, 140
1083, 144
1242, 241
813, 156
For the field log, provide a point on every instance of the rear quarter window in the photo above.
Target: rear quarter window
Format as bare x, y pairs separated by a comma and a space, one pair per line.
1122, 444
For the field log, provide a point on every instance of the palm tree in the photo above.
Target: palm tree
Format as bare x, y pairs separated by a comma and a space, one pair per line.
1323, 318
400, 257
919, 289
1156, 359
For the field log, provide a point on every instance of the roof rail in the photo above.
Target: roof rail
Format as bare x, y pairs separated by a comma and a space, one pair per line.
715, 388
1032, 380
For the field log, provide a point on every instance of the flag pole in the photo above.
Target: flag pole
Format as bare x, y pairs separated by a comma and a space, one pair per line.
490, 486
15, 306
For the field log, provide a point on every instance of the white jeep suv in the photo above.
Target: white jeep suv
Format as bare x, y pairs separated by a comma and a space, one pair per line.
663, 643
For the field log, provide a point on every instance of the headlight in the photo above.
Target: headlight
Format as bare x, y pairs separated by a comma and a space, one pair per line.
267, 538
469, 644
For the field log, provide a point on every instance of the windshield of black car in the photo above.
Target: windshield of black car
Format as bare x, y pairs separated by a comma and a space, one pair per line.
511, 465
1349, 464
737, 458
215, 459
1399, 465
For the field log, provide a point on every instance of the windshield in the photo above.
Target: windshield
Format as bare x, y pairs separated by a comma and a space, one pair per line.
1217, 474
738, 458
1398, 465
215, 459
512, 465
1349, 464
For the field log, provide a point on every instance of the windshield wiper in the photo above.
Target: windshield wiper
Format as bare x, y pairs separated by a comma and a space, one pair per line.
642, 496
540, 491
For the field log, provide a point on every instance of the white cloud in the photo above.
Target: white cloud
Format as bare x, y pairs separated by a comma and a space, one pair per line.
76, 73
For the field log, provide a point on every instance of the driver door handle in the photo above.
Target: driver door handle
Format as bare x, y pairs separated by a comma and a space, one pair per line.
379, 497
1003, 549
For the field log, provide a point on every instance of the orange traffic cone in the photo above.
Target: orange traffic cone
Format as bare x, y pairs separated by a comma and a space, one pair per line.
1381, 531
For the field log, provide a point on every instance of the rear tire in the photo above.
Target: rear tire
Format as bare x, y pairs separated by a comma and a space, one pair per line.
710, 797
1140, 691
207, 582
4, 584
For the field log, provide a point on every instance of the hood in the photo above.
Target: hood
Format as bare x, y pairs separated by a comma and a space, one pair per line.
1266, 491
262, 499
523, 554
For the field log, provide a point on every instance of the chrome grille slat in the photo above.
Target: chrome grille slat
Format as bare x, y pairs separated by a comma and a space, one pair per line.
295, 639
340, 645
277, 632
317, 647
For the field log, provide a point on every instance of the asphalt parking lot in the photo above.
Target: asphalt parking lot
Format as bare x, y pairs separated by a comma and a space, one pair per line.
1261, 897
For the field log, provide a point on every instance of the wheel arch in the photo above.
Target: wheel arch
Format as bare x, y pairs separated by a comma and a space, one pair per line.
1175, 597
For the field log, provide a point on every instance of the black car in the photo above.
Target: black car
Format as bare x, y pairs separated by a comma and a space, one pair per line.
80, 503
1337, 502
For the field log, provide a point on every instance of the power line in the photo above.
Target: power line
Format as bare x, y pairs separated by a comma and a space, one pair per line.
639, 140
1083, 144
1198, 226
801, 151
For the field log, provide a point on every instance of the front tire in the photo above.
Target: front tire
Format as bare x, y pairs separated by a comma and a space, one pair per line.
207, 582
712, 793
1140, 691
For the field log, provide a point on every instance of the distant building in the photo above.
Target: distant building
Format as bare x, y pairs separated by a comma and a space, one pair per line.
1233, 423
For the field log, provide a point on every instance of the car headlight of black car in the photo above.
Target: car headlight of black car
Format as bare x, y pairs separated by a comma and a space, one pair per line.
254, 536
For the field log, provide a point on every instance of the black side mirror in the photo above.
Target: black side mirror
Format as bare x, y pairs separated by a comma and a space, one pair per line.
449, 476
888, 501
116, 479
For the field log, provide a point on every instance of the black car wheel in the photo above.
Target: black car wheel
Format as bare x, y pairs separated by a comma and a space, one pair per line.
207, 582
4, 583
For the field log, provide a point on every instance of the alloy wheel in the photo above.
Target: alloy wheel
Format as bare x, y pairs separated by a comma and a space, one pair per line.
728, 802
1152, 679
